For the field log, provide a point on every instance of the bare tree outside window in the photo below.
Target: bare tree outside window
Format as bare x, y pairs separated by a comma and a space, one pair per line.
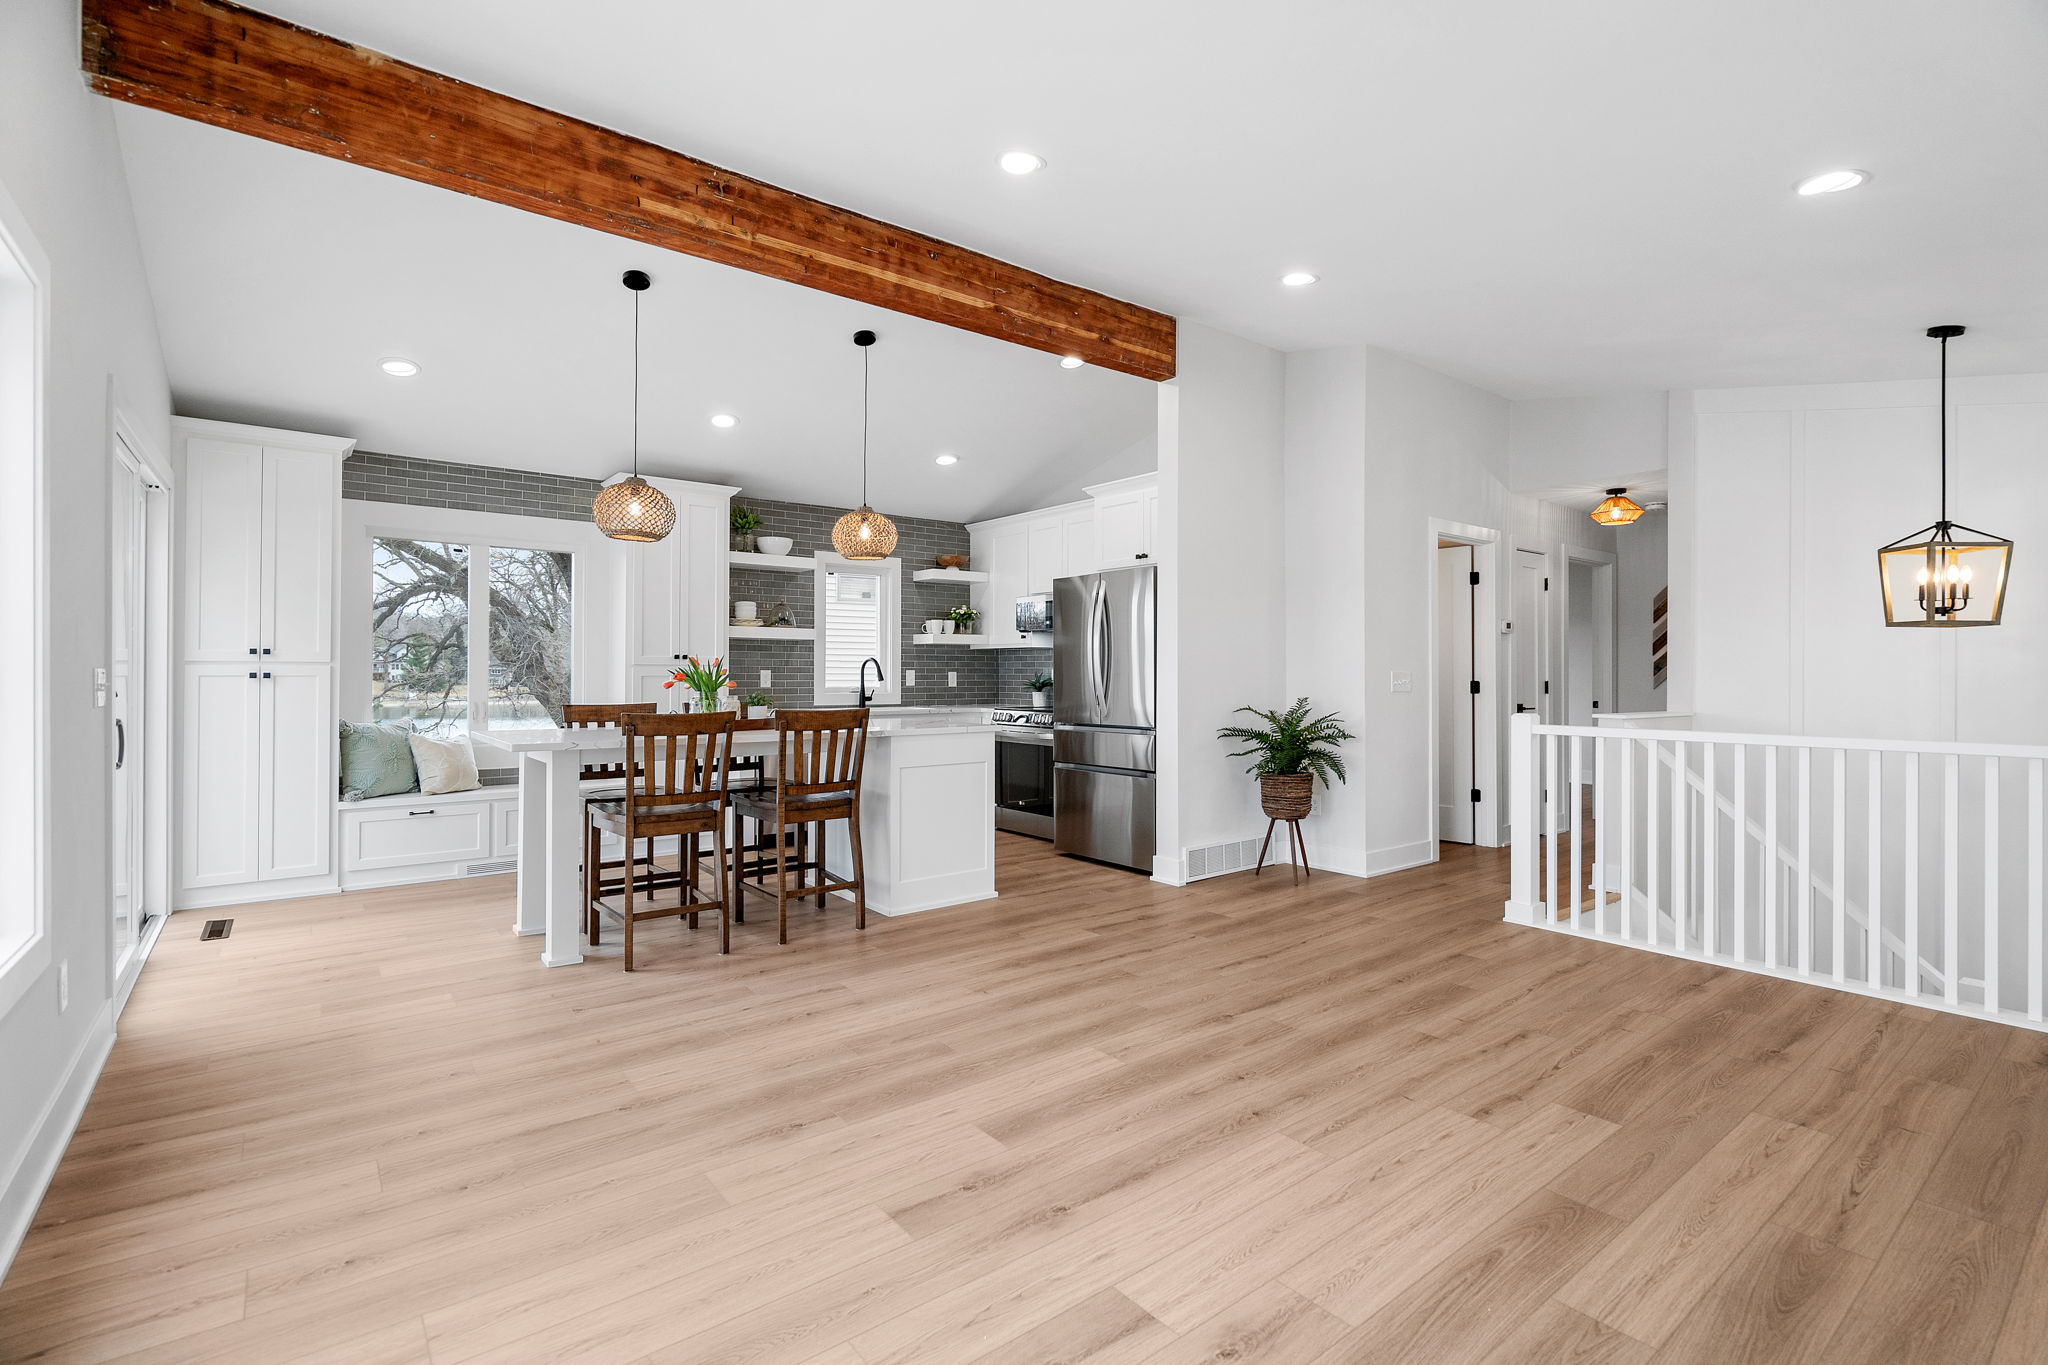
530, 637
419, 633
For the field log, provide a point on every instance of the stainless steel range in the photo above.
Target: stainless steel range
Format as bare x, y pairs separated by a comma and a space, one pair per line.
1023, 770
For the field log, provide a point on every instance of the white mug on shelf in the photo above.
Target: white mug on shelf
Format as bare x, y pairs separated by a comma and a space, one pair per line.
745, 611
938, 627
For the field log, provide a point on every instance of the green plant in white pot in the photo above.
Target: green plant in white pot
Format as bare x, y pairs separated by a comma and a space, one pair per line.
1289, 752
1041, 691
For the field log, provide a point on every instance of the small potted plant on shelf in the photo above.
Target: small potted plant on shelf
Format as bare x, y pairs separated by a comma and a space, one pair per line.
759, 705
745, 521
963, 619
706, 682
1041, 691
1289, 751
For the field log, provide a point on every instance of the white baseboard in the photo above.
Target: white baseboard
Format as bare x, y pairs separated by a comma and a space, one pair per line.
1399, 857
36, 1165
250, 893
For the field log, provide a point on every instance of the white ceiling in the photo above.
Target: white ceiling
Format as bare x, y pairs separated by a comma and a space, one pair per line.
1580, 196
281, 279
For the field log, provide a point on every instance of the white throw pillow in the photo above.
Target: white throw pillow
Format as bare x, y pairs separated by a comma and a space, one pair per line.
446, 765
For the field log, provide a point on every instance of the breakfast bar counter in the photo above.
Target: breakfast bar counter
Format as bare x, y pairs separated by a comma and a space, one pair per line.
927, 790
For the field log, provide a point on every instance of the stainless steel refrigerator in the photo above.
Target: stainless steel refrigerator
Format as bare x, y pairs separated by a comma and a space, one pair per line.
1105, 639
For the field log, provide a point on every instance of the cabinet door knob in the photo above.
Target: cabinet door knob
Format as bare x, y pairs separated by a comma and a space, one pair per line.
266, 675
266, 648
252, 649
252, 675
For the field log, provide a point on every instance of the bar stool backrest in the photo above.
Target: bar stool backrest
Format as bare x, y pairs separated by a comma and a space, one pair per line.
680, 758
820, 752
589, 715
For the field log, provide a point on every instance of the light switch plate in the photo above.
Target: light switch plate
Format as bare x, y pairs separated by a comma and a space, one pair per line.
952, 680
767, 677
1397, 681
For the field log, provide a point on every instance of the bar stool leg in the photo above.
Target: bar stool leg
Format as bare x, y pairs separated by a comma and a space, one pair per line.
629, 896
593, 849
725, 890
860, 879
781, 884
819, 856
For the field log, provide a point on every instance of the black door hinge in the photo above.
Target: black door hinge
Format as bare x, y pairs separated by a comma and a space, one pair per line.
1475, 578
1546, 585
1475, 796
1475, 687
1546, 687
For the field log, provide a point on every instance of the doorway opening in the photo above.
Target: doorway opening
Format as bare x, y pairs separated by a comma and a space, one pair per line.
1465, 778
138, 705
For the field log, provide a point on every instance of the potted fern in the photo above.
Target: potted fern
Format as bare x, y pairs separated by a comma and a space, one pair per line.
1289, 751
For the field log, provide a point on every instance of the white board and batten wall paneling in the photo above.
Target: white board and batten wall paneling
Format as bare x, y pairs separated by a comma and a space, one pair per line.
676, 591
257, 715
1022, 554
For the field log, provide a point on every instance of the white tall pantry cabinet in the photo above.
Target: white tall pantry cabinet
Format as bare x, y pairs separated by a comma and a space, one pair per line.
262, 510
676, 590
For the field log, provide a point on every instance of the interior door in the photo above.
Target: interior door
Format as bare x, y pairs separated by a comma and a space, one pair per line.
1456, 703
130, 544
1528, 641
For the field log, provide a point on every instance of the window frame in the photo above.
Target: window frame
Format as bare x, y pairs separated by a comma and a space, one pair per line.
890, 572
25, 854
591, 629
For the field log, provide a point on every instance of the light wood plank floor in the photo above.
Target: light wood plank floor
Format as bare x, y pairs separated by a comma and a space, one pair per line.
1097, 1120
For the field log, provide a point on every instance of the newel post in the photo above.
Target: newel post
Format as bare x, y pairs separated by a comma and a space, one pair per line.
1524, 835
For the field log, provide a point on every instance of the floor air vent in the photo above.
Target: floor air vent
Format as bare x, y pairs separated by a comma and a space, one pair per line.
485, 869
1213, 860
216, 928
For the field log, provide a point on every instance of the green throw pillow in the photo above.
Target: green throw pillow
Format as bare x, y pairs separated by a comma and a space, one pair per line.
376, 760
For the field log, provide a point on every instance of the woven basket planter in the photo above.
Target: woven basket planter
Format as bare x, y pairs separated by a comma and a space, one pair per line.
1286, 796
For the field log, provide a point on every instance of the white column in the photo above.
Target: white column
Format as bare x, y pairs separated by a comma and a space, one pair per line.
530, 916
563, 809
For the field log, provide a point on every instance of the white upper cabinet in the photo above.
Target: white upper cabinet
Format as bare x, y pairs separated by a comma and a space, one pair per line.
674, 602
1127, 521
1022, 555
260, 511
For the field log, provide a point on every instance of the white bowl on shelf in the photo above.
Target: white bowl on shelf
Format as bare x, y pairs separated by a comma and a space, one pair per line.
774, 545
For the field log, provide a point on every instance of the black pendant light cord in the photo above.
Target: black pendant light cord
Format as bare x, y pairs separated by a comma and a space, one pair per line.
864, 422
1944, 431
636, 381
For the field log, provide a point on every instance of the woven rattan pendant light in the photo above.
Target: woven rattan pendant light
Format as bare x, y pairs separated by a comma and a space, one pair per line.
1944, 574
1619, 509
864, 533
634, 509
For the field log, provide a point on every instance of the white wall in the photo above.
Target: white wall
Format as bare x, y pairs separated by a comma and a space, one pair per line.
1222, 638
1793, 491
1574, 443
1641, 568
60, 164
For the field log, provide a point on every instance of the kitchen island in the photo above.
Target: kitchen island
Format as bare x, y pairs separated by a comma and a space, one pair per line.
926, 797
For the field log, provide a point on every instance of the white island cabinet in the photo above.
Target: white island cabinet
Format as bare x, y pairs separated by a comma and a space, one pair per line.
926, 801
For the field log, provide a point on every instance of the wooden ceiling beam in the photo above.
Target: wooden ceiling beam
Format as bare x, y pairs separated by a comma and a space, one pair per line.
252, 73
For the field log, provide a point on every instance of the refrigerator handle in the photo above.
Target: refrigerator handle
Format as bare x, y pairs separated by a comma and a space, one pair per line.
1099, 622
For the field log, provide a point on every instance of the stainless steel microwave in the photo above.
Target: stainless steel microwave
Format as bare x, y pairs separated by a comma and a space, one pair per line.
1034, 613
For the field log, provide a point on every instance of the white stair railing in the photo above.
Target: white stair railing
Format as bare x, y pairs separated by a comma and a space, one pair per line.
1910, 871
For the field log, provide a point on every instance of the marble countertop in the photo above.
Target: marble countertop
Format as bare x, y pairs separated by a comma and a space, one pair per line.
881, 726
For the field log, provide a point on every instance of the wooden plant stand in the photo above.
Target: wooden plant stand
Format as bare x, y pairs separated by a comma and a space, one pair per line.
1294, 841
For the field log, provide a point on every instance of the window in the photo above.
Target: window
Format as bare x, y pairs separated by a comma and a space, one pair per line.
453, 621
858, 619
24, 796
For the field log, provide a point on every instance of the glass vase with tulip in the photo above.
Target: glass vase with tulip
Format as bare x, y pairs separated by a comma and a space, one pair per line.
706, 681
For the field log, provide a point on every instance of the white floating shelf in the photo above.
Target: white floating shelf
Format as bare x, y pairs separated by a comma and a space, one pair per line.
771, 632
948, 639
748, 560
948, 576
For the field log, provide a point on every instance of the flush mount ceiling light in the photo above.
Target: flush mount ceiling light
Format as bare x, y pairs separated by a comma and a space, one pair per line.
724, 419
864, 534
399, 367
634, 509
947, 459
1295, 279
1022, 163
1071, 362
1953, 575
1832, 182
1618, 510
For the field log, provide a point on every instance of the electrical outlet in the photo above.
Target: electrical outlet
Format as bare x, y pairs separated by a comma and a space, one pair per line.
767, 677
952, 680
63, 986
1397, 681
910, 677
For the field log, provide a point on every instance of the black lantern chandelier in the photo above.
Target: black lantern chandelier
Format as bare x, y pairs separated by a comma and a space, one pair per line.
1944, 574
634, 509
864, 534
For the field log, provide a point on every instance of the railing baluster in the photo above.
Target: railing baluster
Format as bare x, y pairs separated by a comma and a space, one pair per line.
1710, 853
1603, 847
1951, 860
1653, 831
1802, 931
1553, 788
1681, 871
1524, 839
1740, 903
1773, 957
1873, 903
1910, 841
1840, 937
1990, 902
2036, 948
1628, 837
1576, 757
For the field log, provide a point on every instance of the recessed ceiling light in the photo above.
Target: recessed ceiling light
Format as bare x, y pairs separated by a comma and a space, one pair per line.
946, 459
1022, 163
724, 419
1830, 182
399, 367
1295, 279
1071, 362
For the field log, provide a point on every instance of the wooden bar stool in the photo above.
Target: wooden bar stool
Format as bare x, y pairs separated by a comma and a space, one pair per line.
817, 779
679, 791
598, 715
